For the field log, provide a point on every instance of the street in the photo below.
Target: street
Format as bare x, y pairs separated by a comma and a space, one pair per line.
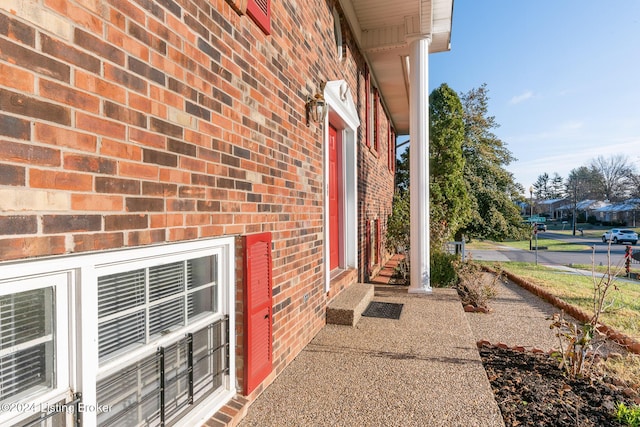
505, 253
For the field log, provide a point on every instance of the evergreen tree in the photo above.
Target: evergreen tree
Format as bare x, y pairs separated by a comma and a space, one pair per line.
450, 205
557, 187
493, 191
541, 187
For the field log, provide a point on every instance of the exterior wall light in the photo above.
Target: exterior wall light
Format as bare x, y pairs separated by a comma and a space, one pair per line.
316, 108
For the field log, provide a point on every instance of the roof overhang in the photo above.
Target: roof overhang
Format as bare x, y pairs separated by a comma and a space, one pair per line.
383, 31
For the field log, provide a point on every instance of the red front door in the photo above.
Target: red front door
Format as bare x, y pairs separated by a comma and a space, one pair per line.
334, 198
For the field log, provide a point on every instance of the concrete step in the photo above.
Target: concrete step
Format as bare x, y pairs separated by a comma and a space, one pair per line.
347, 308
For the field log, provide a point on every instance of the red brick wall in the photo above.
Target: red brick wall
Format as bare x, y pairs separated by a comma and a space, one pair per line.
134, 122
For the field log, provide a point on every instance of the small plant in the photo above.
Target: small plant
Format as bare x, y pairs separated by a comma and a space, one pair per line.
476, 287
398, 237
577, 342
402, 269
575, 353
628, 416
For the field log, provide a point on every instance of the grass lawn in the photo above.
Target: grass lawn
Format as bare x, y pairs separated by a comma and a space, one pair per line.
550, 244
623, 311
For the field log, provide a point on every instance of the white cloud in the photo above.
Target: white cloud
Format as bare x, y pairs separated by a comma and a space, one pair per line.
521, 98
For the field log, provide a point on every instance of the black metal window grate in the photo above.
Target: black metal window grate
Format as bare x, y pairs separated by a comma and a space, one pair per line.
160, 389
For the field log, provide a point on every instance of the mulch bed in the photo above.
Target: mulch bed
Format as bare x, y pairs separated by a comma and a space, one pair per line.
531, 390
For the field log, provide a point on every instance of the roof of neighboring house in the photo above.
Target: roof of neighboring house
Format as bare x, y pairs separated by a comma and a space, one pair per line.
549, 201
625, 206
585, 205
384, 29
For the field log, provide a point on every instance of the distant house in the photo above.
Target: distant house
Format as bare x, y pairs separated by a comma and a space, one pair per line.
623, 213
549, 208
176, 212
587, 207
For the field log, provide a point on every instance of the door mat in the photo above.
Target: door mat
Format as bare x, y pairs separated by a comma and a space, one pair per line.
383, 310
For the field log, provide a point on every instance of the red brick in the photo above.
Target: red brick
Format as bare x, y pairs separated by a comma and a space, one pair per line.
120, 149
117, 186
148, 38
94, 124
64, 137
28, 247
159, 157
29, 153
94, 44
69, 96
144, 204
128, 44
102, 88
125, 222
19, 55
17, 31
12, 175
184, 205
18, 224
175, 175
125, 115
97, 242
77, 14
96, 202
69, 54
78, 162
129, 9
138, 170
165, 128
53, 224
192, 192
39, 178
182, 233
166, 220
197, 219
120, 76
188, 163
16, 78
23, 105
146, 138
146, 237
159, 189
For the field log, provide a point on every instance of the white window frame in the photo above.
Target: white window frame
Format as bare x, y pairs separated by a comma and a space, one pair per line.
77, 316
30, 404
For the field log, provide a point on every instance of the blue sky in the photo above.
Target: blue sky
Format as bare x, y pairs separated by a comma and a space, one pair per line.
563, 77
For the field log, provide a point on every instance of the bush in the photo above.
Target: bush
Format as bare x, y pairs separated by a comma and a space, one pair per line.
443, 269
475, 286
628, 416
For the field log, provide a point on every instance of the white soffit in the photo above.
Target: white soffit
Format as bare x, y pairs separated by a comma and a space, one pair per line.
383, 30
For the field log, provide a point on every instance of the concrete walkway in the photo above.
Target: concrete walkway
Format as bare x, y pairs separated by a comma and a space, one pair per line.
421, 370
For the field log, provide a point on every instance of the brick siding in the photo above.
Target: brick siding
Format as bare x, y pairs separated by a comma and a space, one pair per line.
134, 122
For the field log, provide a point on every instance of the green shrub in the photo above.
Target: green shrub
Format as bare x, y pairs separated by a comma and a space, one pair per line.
628, 416
443, 269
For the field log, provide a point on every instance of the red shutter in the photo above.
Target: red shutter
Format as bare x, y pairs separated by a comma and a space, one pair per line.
258, 340
393, 150
376, 101
260, 11
389, 148
367, 112
367, 246
378, 242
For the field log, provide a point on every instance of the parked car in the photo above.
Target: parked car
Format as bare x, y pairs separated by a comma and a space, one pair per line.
620, 235
541, 227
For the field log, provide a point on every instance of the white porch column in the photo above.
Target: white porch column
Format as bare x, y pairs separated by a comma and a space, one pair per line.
419, 164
